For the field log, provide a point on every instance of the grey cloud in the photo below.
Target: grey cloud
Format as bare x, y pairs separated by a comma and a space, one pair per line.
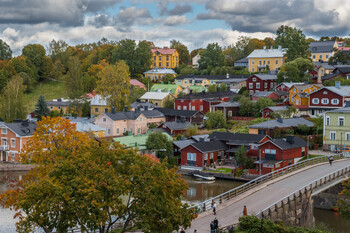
127, 17
268, 15
176, 20
178, 9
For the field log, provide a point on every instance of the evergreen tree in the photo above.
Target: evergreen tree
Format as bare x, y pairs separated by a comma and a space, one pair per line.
41, 108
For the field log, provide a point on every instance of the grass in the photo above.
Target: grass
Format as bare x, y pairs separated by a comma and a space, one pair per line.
220, 170
50, 90
310, 157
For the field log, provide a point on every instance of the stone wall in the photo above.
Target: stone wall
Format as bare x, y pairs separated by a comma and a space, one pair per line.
328, 198
295, 210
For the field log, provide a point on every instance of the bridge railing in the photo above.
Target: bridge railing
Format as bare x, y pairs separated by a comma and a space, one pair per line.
226, 196
309, 187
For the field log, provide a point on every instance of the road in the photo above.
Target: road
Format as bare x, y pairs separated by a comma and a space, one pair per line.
256, 200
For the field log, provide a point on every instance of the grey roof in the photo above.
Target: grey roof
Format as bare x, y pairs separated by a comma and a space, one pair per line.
58, 103
242, 60
208, 95
173, 125
342, 69
321, 46
21, 129
341, 110
286, 123
266, 76
329, 76
342, 90
183, 143
225, 136
212, 77
283, 144
228, 104
290, 84
154, 95
210, 146
132, 115
160, 71
197, 137
277, 108
176, 112
143, 105
232, 80
262, 93
85, 126
267, 53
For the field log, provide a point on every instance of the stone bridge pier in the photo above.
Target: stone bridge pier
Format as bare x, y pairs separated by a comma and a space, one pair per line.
328, 198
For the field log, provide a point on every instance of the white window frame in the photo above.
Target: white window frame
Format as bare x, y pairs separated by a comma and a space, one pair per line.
191, 157
257, 85
13, 143
178, 107
328, 120
211, 155
335, 101
254, 79
118, 131
206, 156
13, 157
335, 135
265, 85
104, 119
325, 101
250, 85
108, 131
253, 70
315, 101
343, 120
347, 136
4, 130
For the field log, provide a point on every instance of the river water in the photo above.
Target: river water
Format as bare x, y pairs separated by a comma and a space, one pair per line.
198, 191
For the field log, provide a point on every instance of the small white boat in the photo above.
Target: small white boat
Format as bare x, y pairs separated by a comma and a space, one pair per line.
204, 177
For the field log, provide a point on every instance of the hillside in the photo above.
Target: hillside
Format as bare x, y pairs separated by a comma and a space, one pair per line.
50, 90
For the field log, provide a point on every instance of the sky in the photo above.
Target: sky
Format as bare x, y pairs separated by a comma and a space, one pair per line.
194, 22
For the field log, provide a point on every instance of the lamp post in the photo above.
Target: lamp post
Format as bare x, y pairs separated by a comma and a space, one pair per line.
259, 162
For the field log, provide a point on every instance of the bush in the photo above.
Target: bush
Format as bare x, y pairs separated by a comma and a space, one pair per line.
238, 172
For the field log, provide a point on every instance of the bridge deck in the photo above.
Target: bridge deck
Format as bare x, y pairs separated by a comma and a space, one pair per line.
260, 198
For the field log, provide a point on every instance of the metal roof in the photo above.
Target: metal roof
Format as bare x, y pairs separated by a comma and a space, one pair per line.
226, 136
262, 93
183, 143
98, 100
277, 108
228, 104
282, 123
267, 53
160, 71
321, 46
173, 125
155, 95
266, 76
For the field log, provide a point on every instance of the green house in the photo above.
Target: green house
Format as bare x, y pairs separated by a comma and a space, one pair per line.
336, 129
136, 141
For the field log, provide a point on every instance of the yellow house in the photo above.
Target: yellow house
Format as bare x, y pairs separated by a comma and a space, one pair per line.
266, 59
164, 58
157, 98
195, 81
301, 88
322, 50
60, 105
300, 99
157, 74
98, 105
323, 68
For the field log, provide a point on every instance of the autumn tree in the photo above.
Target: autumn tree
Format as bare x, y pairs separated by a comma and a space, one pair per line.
73, 78
212, 88
5, 51
169, 103
215, 120
41, 108
80, 182
184, 55
160, 143
114, 85
11, 100
211, 57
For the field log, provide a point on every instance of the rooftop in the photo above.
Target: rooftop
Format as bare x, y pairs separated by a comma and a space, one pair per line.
138, 141
160, 71
22, 128
282, 123
210, 146
98, 100
208, 95
285, 145
277, 108
228, 104
321, 46
262, 94
266, 76
168, 88
212, 77
137, 83
226, 136
267, 53
175, 112
133, 115
183, 143
154, 95
163, 51
173, 125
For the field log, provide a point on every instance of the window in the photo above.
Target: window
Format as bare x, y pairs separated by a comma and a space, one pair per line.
314, 56
320, 56
51, 107
130, 129
268, 62
325, 101
254, 146
167, 64
185, 107
315, 101
254, 79
4, 131
155, 64
211, 155
193, 108
140, 118
259, 63
178, 107
160, 64
250, 85
201, 108
347, 136
276, 61
13, 142
265, 85
206, 156
160, 58
118, 131
273, 152
333, 135
13, 157
124, 130
253, 70
230, 113
138, 130
59, 107
297, 102
253, 62
267, 151
167, 57
264, 62
155, 58
328, 119
335, 101
191, 156
340, 121
106, 109
108, 131
327, 56
104, 119
257, 85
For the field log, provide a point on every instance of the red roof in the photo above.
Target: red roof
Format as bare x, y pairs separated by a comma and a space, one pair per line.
343, 48
163, 51
137, 83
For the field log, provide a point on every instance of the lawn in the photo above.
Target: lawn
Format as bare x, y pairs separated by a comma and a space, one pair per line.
310, 157
220, 170
50, 90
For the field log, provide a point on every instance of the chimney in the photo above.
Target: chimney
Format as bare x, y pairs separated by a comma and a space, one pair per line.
290, 139
25, 123
126, 109
113, 109
59, 100
337, 84
227, 75
280, 120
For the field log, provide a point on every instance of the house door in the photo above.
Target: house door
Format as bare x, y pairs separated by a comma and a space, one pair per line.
3, 156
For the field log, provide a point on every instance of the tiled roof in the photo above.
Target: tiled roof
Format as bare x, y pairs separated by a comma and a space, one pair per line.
210, 146
282, 123
132, 115
321, 46
266, 76
21, 128
137, 83
267, 53
262, 94
154, 95
212, 77
283, 144
183, 143
173, 125
225, 136
175, 112
163, 50
160, 71
208, 95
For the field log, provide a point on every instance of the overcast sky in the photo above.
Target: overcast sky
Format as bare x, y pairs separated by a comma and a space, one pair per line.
194, 22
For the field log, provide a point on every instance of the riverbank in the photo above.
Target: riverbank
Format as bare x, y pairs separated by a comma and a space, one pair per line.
6, 167
223, 176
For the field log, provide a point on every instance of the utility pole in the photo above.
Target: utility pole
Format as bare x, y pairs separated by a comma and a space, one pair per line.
259, 162
308, 145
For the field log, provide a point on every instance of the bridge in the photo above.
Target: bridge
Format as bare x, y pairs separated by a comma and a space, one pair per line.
268, 195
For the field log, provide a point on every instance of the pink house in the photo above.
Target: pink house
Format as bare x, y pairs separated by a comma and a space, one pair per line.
137, 83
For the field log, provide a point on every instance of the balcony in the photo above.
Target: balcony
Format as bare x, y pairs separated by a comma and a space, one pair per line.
4, 147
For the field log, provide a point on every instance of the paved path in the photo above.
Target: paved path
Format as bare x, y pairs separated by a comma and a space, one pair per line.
260, 198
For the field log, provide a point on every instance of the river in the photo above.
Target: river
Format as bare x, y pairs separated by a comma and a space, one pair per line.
198, 191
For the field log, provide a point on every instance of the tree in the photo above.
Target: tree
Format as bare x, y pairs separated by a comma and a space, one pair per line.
3, 80
339, 57
295, 71
247, 107
241, 156
73, 78
215, 120
160, 143
11, 100
169, 103
114, 85
80, 182
135, 93
35, 54
168, 79
211, 57
5, 51
262, 103
41, 108
222, 87
343, 201
182, 50
191, 130
143, 58
212, 88
294, 40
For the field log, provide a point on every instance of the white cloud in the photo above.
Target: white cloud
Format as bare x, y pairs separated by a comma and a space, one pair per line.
176, 20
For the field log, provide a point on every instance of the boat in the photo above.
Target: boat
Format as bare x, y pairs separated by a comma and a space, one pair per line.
204, 177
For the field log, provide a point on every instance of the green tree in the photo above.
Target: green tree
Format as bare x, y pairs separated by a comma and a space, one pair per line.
82, 183
168, 79
143, 57
339, 57
212, 88
11, 100
5, 51
211, 57
3, 80
114, 85
35, 54
184, 55
241, 156
73, 78
169, 103
41, 108
294, 41
58, 51
222, 87
215, 120
187, 70
191, 130
135, 93
247, 107
262, 103
295, 71
160, 143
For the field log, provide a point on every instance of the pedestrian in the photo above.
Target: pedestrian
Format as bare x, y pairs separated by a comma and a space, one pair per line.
330, 158
245, 212
216, 224
182, 230
214, 208
195, 231
212, 227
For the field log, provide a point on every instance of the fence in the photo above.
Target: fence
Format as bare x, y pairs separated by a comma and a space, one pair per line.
226, 196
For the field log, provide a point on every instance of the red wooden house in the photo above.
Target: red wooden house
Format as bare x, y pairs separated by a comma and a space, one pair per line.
265, 94
266, 112
279, 153
260, 82
175, 127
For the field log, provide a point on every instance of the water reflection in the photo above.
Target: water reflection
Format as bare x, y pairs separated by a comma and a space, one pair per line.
333, 220
200, 190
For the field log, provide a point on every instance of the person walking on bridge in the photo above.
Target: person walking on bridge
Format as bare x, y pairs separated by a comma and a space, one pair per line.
212, 227
245, 211
216, 224
330, 158
214, 208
